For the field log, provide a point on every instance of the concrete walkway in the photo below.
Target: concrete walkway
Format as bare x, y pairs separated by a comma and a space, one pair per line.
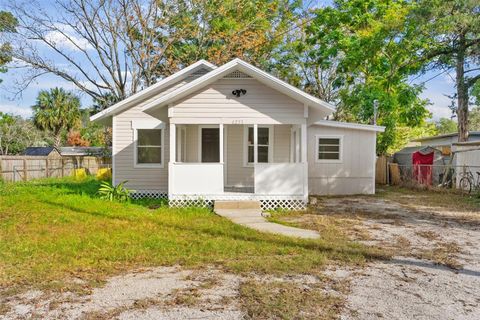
252, 218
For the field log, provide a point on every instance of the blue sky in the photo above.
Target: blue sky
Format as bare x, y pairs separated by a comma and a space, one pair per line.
435, 90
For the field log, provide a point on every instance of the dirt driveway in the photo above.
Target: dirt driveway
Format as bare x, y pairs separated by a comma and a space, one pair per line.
434, 273
435, 270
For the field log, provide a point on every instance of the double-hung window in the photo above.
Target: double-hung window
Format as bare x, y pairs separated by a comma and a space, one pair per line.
149, 148
264, 144
329, 149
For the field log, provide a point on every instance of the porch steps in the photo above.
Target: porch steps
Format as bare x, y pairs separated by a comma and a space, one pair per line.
241, 204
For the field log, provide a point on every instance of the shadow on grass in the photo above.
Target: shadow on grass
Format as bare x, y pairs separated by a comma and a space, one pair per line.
239, 233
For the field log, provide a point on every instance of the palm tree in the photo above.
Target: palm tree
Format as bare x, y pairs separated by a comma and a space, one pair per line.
56, 110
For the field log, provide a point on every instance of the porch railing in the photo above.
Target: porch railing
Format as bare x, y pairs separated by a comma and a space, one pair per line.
196, 178
280, 178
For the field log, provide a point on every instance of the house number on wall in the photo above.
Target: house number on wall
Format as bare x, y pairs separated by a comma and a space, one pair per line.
237, 121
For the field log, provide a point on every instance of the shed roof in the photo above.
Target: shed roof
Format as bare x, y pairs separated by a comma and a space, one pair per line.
39, 151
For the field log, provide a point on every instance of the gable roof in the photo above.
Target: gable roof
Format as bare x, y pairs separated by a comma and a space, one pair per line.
256, 73
38, 151
349, 125
150, 91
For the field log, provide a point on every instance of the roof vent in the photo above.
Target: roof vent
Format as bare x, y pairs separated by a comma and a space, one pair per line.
237, 75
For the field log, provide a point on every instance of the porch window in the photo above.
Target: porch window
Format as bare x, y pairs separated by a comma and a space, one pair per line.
264, 145
149, 147
329, 148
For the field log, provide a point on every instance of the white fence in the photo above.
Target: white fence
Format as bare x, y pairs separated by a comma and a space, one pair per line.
280, 178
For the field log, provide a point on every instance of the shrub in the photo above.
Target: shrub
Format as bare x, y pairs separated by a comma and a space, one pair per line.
104, 174
110, 192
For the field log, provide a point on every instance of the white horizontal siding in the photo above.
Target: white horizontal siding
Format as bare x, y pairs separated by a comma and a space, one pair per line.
260, 102
354, 175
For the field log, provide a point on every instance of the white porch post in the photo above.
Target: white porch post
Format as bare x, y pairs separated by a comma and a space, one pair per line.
255, 143
303, 145
173, 143
304, 160
220, 133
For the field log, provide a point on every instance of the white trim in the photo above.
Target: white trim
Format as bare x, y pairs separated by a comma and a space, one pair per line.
348, 125
135, 151
200, 127
271, 143
114, 150
340, 149
148, 124
260, 75
126, 103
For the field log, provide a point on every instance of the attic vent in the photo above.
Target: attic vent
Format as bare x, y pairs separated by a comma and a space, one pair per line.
199, 73
237, 75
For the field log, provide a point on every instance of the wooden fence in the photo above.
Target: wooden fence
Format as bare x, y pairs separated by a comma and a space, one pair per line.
381, 170
24, 168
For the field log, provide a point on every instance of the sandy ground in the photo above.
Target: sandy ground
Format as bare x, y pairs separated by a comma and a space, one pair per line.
436, 273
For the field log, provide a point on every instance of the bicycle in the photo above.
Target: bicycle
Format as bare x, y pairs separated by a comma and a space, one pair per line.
467, 182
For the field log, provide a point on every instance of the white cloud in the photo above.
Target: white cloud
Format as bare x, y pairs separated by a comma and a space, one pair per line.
66, 38
24, 112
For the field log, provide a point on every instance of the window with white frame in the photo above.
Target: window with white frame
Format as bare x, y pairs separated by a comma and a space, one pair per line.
149, 146
329, 148
264, 144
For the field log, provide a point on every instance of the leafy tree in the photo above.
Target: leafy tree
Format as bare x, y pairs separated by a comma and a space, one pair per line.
446, 125
405, 134
371, 47
17, 133
58, 111
450, 33
8, 24
474, 119
114, 48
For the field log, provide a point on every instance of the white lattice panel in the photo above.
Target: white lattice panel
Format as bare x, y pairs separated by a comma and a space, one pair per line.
154, 194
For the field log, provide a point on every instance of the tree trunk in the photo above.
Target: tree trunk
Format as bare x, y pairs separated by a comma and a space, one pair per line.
57, 140
462, 91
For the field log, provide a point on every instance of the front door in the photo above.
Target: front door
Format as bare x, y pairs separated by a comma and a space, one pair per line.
210, 145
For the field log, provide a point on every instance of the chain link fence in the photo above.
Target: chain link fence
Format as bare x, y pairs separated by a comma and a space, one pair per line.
462, 178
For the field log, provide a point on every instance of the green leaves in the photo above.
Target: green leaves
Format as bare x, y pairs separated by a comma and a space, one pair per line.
110, 192
372, 45
56, 110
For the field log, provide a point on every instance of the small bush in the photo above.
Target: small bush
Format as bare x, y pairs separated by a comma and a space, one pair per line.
104, 174
80, 174
110, 192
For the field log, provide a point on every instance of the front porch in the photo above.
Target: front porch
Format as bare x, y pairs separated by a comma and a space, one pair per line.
261, 162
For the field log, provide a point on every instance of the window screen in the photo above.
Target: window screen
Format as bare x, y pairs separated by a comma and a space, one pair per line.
149, 146
328, 148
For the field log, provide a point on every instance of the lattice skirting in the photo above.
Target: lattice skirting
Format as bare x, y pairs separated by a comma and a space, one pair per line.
267, 202
206, 201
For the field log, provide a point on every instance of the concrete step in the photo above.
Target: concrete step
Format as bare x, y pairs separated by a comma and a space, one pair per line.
240, 204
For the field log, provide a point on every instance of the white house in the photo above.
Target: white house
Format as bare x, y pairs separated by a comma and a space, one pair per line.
235, 132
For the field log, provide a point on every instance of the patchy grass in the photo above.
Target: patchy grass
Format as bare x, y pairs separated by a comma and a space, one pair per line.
53, 231
287, 300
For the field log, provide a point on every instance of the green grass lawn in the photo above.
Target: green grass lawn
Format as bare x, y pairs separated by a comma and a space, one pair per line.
55, 230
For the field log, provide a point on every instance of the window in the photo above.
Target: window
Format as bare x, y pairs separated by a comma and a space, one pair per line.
264, 144
329, 148
149, 147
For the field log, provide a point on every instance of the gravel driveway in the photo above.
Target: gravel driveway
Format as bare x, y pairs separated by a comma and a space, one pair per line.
435, 273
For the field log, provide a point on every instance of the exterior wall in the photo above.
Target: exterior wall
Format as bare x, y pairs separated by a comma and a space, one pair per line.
354, 175
259, 103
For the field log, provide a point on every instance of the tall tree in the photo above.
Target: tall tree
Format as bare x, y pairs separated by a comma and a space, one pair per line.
372, 48
116, 47
450, 31
8, 24
58, 111
17, 133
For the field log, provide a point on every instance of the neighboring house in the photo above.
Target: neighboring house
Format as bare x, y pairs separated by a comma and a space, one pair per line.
444, 142
41, 152
235, 132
